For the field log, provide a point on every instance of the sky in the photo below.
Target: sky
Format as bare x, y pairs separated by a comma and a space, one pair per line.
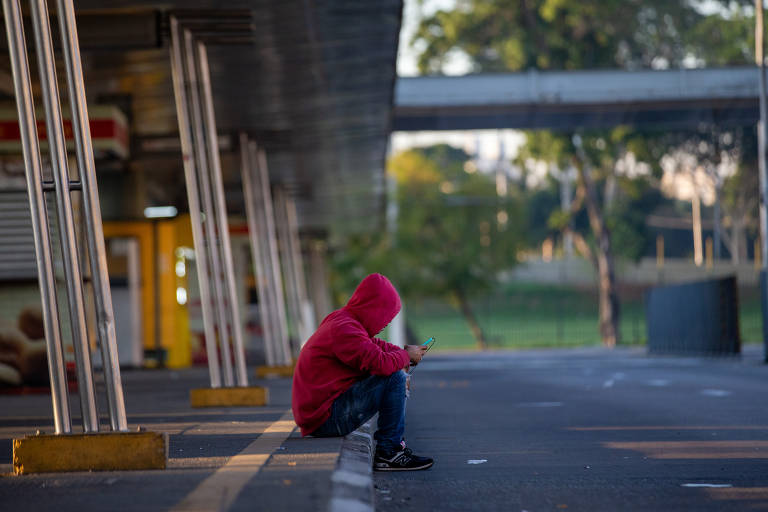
406, 56
488, 145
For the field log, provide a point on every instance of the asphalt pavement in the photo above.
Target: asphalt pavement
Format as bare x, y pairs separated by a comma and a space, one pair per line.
219, 458
585, 430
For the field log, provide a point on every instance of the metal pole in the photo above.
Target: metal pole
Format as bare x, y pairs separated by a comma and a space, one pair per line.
33, 168
246, 168
193, 197
105, 318
58, 151
283, 240
319, 279
221, 215
761, 143
265, 255
307, 317
277, 281
203, 170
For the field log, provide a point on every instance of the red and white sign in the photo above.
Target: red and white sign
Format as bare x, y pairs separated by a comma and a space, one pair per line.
109, 131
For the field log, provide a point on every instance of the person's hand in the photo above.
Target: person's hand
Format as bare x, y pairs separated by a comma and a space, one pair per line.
416, 352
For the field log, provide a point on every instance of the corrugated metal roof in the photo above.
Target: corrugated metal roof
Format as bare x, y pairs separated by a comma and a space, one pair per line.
312, 81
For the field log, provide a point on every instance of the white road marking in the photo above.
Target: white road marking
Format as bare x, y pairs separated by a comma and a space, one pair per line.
610, 382
715, 392
709, 486
477, 461
219, 491
659, 383
540, 404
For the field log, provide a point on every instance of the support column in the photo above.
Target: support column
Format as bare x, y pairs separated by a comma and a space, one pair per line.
206, 190
288, 264
308, 323
58, 152
255, 236
222, 223
762, 126
105, 318
193, 198
319, 279
92, 450
33, 169
283, 352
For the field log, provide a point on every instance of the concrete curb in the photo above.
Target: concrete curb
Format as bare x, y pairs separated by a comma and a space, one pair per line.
352, 480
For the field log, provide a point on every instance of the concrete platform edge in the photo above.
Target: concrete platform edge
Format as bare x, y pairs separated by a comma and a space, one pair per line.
352, 480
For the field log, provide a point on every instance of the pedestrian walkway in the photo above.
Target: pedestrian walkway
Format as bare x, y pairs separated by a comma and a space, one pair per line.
219, 459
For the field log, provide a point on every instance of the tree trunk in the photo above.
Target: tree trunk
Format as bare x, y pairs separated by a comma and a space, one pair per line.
716, 225
469, 317
610, 308
737, 241
698, 245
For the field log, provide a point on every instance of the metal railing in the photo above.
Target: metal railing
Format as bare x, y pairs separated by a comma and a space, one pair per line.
62, 186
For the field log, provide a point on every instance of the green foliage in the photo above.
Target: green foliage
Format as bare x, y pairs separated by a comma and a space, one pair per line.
448, 238
504, 35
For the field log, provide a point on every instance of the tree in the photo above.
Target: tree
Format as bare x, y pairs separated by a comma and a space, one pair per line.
504, 35
451, 238
610, 162
511, 35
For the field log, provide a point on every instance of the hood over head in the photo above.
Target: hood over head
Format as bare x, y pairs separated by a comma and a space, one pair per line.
374, 303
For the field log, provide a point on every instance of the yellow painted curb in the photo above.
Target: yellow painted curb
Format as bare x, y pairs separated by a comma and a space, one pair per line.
107, 451
263, 372
252, 396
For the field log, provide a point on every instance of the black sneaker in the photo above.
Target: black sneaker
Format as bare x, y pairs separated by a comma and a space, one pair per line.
402, 460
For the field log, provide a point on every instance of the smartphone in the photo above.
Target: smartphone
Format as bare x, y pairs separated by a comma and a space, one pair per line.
428, 344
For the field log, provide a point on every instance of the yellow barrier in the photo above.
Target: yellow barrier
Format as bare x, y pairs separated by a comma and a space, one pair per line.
265, 372
108, 451
253, 396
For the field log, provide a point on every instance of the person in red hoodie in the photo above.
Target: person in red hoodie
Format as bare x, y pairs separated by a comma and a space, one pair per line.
345, 375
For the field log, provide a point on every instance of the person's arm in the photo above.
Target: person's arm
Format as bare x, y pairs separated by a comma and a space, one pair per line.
354, 348
385, 345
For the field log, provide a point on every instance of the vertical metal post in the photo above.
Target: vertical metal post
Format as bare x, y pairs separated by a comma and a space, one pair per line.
763, 177
58, 151
266, 259
274, 270
284, 243
193, 197
307, 316
319, 279
247, 167
33, 168
94, 231
219, 201
203, 170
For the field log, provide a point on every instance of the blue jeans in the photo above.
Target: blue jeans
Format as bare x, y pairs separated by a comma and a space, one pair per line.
385, 395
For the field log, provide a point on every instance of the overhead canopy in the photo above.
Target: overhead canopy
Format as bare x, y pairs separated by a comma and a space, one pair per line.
311, 81
569, 100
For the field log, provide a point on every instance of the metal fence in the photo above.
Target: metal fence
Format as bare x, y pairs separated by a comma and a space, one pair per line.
525, 315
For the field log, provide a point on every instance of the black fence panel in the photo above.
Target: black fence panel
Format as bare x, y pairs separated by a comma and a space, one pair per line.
694, 318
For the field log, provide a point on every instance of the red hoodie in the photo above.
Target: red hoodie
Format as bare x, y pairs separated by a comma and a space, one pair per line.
343, 351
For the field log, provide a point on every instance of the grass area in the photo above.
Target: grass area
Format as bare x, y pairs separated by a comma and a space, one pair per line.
750, 321
524, 315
